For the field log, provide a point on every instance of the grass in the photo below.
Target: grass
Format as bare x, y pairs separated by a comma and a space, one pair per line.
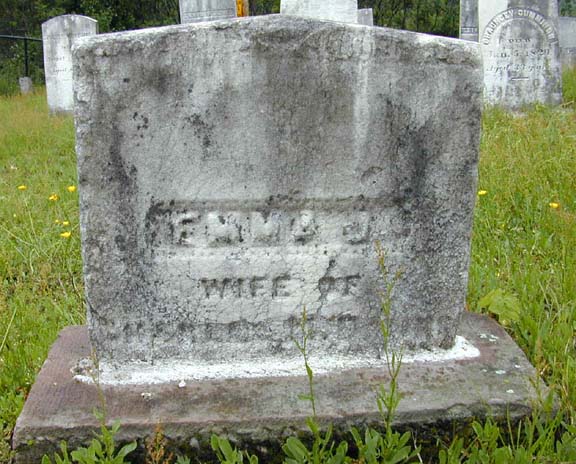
523, 268
40, 271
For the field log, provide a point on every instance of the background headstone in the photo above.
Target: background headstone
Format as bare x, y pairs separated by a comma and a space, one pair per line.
469, 20
366, 17
567, 36
333, 10
521, 53
204, 237
192, 11
26, 85
58, 34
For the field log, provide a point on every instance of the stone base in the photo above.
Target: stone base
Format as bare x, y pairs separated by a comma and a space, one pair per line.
259, 413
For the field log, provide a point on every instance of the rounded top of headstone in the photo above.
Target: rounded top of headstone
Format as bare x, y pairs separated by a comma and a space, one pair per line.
71, 18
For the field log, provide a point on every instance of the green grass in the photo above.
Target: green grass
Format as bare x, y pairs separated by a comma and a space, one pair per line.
40, 271
522, 247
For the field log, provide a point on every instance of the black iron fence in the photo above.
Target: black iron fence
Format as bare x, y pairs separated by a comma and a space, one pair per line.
20, 56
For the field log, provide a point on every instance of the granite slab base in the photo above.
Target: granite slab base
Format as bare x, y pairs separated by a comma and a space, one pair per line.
260, 413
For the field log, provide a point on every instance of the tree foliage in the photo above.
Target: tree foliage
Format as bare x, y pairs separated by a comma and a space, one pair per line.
24, 17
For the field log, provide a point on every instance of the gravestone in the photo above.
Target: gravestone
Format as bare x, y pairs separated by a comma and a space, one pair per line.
192, 11
218, 245
58, 34
469, 20
567, 36
26, 86
333, 10
521, 54
204, 236
366, 17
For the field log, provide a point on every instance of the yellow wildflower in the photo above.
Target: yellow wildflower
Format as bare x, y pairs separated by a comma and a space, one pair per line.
53, 197
65, 223
554, 205
482, 192
66, 234
56, 221
22, 187
71, 188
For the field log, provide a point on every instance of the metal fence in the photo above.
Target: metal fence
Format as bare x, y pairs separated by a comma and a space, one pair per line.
20, 56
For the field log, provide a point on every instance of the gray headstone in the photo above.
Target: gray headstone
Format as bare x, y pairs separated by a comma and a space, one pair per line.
26, 85
333, 10
366, 17
521, 54
469, 20
58, 34
567, 36
231, 176
192, 11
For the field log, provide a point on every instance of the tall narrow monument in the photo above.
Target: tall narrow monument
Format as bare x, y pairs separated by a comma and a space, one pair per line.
469, 20
58, 35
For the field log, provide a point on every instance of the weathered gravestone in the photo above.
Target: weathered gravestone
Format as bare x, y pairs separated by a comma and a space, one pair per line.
366, 17
58, 34
567, 37
26, 85
192, 11
469, 20
204, 238
521, 54
233, 173
333, 10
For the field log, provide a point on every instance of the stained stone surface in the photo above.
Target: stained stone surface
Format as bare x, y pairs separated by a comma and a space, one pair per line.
567, 36
333, 10
366, 17
521, 53
58, 34
258, 414
469, 20
192, 11
233, 173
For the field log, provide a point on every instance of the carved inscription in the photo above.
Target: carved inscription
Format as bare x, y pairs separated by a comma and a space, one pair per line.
519, 51
170, 225
253, 287
519, 13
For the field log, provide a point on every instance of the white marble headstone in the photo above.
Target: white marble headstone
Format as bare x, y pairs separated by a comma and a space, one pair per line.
567, 36
333, 10
205, 237
193, 11
521, 53
58, 34
366, 17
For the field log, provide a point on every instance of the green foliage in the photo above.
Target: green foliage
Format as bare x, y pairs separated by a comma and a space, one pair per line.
439, 17
505, 306
323, 450
303, 348
388, 448
228, 454
102, 449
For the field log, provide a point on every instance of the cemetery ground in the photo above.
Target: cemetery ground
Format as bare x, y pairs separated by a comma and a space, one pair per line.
523, 269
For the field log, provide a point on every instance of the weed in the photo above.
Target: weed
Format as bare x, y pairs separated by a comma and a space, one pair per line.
227, 454
102, 448
156, 448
